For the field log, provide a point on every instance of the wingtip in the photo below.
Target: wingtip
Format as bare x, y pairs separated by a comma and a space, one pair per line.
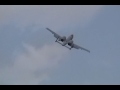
89, 51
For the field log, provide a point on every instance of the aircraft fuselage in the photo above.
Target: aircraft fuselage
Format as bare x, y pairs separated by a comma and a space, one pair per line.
67, 40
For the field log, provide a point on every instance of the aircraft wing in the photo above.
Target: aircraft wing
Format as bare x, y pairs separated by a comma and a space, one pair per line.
79, 47
55, 34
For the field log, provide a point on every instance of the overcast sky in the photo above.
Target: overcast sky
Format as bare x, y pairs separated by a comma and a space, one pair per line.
29, 54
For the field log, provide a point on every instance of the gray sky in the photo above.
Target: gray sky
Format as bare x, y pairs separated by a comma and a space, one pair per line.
29, 55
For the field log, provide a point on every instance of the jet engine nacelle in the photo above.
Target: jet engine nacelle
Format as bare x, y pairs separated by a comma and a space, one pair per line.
63, 38
70, 42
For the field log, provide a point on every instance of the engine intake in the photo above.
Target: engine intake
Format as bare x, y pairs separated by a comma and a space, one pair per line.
70, 43
63, 38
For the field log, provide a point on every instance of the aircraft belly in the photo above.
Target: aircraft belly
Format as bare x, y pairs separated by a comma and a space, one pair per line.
64, 43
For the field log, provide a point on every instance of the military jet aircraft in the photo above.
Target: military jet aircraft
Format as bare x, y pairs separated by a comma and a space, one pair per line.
66, 41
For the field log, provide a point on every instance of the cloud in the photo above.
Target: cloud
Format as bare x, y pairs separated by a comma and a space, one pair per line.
34, 65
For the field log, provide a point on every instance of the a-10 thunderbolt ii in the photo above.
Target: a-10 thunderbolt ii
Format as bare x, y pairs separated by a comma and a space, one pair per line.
66, 41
